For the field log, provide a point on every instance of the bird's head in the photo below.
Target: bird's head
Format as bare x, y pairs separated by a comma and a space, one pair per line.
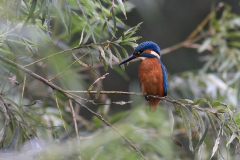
144, 50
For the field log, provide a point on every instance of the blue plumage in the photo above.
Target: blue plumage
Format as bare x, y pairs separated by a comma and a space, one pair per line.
148, 45
165, 77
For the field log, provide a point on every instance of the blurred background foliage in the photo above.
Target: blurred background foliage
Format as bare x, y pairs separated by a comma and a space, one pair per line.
79, 41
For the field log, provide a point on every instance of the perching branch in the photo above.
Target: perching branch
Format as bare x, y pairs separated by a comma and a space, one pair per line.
140, 94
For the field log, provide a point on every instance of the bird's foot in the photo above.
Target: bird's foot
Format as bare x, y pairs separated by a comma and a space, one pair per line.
145, 95
156, 96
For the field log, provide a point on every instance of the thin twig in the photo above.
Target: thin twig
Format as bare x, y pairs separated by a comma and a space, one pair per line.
68, 67
76, 128
184, 43
60, 113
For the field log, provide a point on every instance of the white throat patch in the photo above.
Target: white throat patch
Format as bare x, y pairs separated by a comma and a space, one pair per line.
155, 54
142, 58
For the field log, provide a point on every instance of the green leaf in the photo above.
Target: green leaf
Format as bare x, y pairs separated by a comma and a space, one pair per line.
213, 125
122, 7
132, 39
187, 127
104, 26
105, 65
178, 110
221, 111
80, 42
171, 119
201, 100
110, 56
133, 45
3, 132
237, 121
85, 16
204, 135
98, 93
114, 22
118, 56
44, 14
14, 140
61, 14
108, 25
30, 14
100, 49
90, 31
69, 15
216, 104
185, 100
124, 51
235, 44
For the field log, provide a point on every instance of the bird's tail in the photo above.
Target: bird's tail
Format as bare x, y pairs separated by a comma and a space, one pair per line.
153, 104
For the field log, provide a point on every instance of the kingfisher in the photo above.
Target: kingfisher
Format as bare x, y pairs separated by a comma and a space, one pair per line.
152, 73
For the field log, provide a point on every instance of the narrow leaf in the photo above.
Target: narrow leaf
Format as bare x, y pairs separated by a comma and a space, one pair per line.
85, 16
90, 31
171, 119
3, 132
79, 61
114, 22
216, 104
213, 125
110, 56
108, 25
61, 13
118, 56
231, 139
215, 146
98, 93
187, 127
100, 49
30, 14
14, 140
204, 135
122, 7
80, 42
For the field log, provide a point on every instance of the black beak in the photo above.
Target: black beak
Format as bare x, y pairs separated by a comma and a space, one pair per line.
127, 59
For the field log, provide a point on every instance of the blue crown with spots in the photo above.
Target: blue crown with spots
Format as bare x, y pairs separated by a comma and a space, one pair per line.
148, 45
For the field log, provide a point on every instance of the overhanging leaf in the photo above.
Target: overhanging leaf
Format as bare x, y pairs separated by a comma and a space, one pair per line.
90, 31
14, 140
118, 56
122, 7
100, 49
187, 127
216, 104
108, 25
204, 135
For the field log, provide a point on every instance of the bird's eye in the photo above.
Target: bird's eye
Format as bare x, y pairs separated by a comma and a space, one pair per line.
137, 53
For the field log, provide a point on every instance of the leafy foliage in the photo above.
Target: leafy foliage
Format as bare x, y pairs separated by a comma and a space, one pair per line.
33, 32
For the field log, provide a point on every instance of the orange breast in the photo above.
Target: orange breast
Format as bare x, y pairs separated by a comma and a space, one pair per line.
151, 79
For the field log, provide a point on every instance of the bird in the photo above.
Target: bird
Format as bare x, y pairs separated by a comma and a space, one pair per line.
152, 73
